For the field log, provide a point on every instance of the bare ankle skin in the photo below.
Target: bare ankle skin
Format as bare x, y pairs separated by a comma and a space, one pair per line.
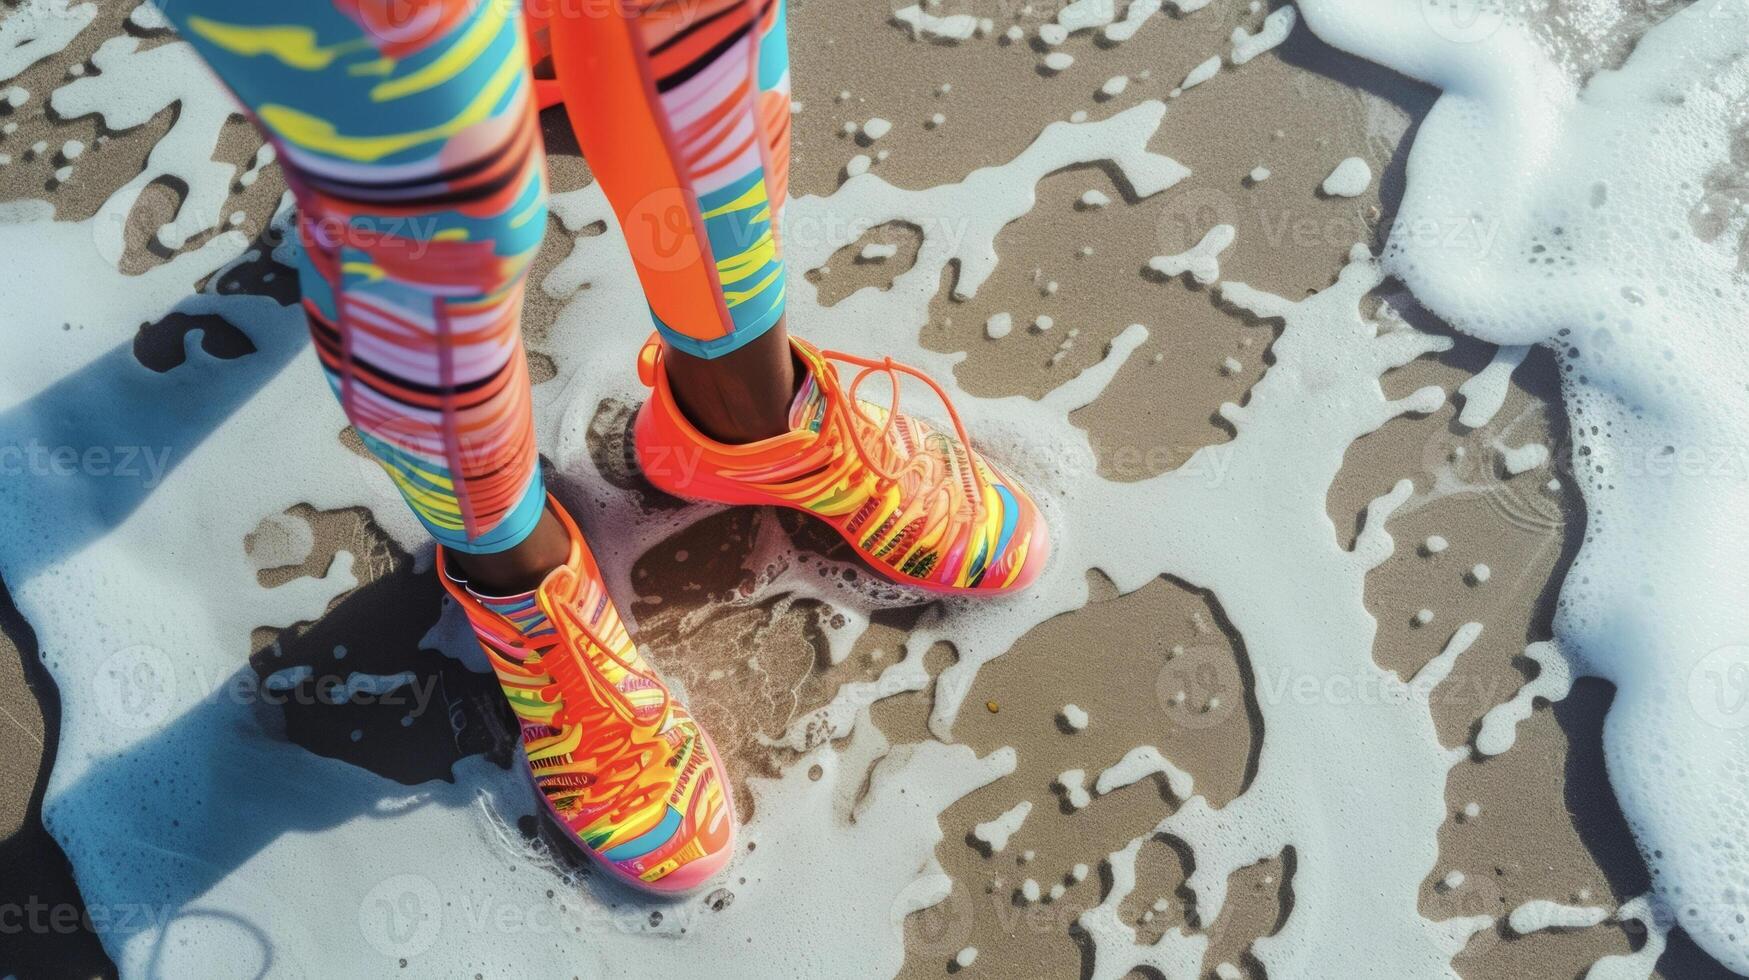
521, 568
743, 396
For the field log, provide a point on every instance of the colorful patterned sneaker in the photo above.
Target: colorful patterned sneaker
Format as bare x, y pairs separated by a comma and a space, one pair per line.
622, 765
916, 502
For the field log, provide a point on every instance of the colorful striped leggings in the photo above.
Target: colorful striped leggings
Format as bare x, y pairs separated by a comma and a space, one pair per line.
407, 132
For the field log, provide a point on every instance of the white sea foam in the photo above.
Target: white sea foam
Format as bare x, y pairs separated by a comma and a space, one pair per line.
1484, 392
1592, 215
954, 27
1349, 179
1523, 459
1540, 914
1553, 681
1640, 964
996, 832
1074, 716
38, 29
1073, 784
1276, 27
1140, 763
134, 83
1201, 261
1080, 15
1175, 954
1201, 73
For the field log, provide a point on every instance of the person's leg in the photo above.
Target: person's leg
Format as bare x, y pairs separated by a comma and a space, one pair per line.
682, 110
407, 135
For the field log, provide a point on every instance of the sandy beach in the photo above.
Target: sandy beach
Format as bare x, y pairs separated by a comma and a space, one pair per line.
1159, 665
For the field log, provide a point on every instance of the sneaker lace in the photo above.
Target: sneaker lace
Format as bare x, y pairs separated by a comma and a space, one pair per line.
612, 744
871, 439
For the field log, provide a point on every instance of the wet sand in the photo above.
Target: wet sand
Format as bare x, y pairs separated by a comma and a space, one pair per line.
1547, 826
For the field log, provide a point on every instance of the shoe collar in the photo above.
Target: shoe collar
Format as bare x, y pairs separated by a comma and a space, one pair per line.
654, 377
841, 412
499, 638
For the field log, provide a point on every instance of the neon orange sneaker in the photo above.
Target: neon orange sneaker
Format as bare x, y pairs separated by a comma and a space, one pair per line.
916, 502
622, 765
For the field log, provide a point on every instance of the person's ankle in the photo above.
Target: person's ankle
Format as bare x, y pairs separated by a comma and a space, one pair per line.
743, 396
519, 569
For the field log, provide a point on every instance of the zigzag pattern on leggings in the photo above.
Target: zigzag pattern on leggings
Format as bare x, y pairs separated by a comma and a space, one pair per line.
729, 129
409, 138
407, 135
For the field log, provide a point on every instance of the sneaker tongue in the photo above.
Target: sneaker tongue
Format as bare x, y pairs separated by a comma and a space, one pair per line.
522, 612
809, 407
